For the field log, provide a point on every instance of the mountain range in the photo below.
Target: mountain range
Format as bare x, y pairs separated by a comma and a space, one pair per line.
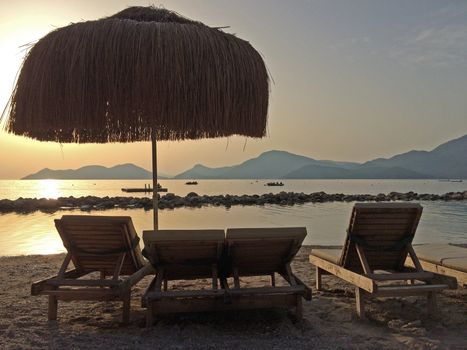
447, 161
95, 172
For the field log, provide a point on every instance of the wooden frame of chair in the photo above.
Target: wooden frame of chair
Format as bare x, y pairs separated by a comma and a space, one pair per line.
367, 282
171, 262
67, 285
270, 256
440, 269
366, 285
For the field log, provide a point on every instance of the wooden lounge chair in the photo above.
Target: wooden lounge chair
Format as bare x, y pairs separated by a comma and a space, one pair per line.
106, 244
378, 240
182, 255
445, 259
265, 252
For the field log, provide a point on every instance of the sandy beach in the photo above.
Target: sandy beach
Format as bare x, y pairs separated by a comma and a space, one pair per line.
329, 320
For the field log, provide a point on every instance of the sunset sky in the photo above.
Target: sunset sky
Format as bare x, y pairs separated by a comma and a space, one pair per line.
353, 80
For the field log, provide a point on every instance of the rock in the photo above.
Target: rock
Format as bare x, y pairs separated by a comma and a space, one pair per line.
416, 323
395, 324
192, 199
380, 197
169, 196
457, 196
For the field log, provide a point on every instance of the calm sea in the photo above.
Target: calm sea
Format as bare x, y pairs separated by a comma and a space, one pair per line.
325, 222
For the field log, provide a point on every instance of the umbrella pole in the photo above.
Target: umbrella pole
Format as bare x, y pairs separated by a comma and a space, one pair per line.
155, 201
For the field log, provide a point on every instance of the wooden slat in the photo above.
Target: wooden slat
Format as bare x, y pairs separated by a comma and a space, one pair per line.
195, 249
377, 227
363, 261
118, 266
290, 276
63, 268
157, 295
400, 276
383, 239
166, 306
345, 274
262, 251
75, 294
410, 289
39, 286
443, 275
297, 289
402, 220
414, 258
259, 243
365, 231
83, 282
98, 233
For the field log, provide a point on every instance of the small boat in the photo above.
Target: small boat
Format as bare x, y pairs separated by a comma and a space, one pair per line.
274, 184
146, 189
191, 183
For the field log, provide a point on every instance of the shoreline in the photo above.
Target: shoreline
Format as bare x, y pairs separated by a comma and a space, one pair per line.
329, 320
193, 200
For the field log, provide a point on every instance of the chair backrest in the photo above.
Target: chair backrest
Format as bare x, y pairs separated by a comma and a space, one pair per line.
262, 251
383, 231
184, 254
97, 242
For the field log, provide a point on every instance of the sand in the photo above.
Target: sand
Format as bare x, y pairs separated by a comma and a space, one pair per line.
329, 319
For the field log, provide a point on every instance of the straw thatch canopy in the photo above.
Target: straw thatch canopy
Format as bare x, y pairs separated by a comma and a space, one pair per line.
144, 70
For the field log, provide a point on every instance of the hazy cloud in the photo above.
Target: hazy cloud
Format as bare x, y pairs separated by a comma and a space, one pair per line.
441, 42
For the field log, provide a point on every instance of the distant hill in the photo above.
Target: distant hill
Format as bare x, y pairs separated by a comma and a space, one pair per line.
448, 160
268, 165
94, 172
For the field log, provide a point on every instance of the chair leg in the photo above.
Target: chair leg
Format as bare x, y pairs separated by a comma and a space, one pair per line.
149, 315
299, 308
126, 309
236, 278
102, 275
52, 310
359, 300
318, 278
432, 303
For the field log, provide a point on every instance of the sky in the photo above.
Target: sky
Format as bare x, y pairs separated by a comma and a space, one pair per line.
352, 80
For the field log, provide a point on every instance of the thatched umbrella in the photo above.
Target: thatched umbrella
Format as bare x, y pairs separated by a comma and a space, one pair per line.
142, 74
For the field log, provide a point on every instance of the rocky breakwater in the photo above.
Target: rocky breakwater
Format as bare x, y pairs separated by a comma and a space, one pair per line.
171, 201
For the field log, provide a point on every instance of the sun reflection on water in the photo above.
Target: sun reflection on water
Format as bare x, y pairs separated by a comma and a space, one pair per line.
47, 243
48, 189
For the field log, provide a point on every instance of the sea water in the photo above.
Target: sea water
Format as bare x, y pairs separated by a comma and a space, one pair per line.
325, 222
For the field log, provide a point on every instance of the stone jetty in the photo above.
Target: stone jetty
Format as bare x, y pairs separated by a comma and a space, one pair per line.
192, 199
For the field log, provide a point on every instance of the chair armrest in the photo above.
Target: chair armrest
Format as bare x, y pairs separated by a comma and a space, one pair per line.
39, 286
138, 276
